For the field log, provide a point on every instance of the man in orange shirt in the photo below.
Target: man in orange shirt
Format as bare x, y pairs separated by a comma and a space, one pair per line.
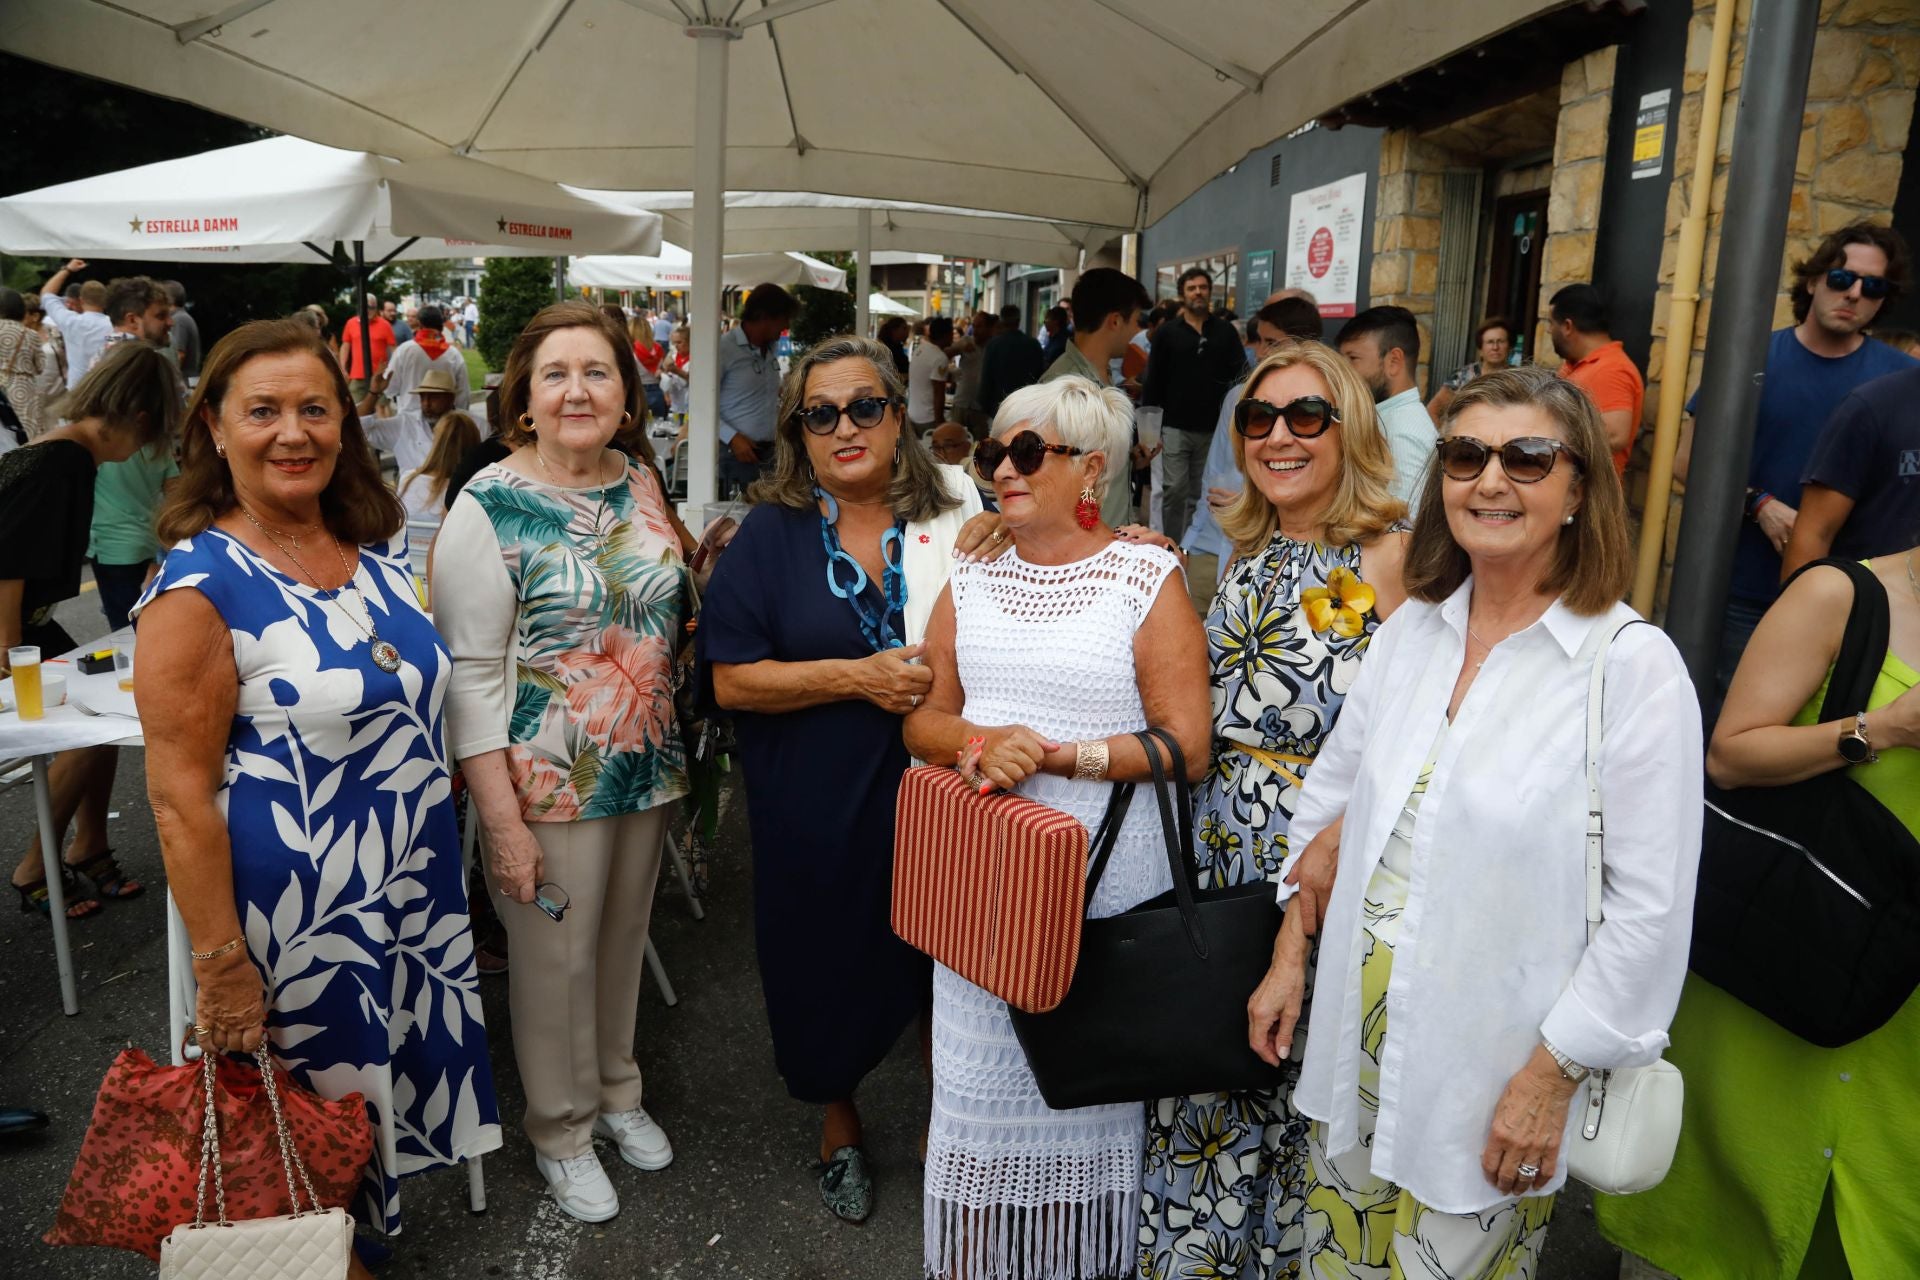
1598, 365
381, 335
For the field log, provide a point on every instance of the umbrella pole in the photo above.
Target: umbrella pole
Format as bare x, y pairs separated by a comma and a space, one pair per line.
863, 275
360, 303
713, 46
559, 279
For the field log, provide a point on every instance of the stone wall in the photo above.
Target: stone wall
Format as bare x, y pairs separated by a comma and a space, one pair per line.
1579, 164
1406, 230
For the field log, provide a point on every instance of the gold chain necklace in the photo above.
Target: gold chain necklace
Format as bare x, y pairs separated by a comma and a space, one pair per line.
384, 655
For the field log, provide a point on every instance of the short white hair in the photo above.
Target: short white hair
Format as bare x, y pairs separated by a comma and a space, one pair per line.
1081, 413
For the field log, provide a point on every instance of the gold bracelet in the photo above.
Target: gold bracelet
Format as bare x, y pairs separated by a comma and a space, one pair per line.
217, 952
1090, 760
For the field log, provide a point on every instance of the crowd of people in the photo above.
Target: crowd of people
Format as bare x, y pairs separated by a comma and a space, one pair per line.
953, 553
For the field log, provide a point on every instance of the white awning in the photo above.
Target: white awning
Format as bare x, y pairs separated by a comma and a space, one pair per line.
672, 268
881, 305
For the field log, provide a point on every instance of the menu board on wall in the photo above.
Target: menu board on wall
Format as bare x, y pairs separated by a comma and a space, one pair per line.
1323, 243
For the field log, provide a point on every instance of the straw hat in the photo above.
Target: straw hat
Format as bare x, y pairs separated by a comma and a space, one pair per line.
436, 380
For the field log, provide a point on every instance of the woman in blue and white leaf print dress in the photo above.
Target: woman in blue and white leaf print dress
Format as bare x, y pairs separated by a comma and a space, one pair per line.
291, 689
1318, 541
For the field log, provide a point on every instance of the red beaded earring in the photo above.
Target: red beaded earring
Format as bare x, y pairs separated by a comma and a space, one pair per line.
1087, 510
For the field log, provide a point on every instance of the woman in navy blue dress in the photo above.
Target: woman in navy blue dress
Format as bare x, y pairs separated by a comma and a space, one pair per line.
811, 630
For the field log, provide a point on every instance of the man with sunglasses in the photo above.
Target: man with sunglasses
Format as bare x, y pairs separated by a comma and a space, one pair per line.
1195, 359
1811, 368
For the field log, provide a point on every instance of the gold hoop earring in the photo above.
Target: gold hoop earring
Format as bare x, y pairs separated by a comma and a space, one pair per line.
626, 416
526, 421
219, 448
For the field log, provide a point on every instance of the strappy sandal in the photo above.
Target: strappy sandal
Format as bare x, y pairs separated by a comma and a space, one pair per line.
846, 1185
34, 898
104, 874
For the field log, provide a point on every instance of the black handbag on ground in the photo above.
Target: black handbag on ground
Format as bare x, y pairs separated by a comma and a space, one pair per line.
1158, 1005
1808, 907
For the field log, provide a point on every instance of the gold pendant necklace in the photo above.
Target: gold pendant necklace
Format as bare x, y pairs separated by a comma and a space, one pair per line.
384, 655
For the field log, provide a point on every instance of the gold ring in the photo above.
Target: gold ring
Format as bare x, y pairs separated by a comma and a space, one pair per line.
998, 534
199, 1031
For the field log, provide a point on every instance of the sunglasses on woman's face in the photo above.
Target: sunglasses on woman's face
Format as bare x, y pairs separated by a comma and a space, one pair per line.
1307, 417
1027, 449
867, 413
1525, 459
1840, 280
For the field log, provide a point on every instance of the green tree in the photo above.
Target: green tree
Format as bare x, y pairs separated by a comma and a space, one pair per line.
823, 313
425, 278
512, 291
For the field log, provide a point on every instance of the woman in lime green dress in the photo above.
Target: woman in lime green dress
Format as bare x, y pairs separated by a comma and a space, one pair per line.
1796, 1160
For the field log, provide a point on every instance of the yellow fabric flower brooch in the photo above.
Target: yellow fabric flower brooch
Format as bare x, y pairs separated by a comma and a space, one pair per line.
1341, 606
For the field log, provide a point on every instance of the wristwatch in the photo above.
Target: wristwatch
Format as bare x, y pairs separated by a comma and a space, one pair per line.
1854, 746
1568, 1067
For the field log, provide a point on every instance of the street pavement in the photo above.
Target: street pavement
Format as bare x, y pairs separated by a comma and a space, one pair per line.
738, 1201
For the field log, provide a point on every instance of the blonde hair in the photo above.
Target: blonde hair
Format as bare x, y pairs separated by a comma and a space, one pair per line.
1593, 563
453, 435
1363, 506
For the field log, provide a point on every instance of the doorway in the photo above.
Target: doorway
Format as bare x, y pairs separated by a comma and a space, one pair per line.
1516, 247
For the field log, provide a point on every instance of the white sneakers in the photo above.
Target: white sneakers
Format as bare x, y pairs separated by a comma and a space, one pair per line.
643, 1144
581, 1187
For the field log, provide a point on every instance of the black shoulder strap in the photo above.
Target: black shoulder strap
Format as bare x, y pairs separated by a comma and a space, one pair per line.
1863, 646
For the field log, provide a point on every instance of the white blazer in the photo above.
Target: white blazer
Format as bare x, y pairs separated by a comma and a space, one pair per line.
1492, 954
927, 556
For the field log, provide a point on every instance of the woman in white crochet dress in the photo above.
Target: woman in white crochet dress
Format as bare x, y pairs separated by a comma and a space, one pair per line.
1045, 662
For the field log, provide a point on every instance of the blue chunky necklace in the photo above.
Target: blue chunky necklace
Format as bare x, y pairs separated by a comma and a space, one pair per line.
846, 579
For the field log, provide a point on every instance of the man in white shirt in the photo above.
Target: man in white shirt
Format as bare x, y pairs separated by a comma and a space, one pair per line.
471, 317
428, 349
927, 375
1383, 345
407, 433
83, 327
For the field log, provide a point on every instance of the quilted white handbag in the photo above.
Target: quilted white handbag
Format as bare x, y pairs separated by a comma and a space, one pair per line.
1629, 1117
310, 1244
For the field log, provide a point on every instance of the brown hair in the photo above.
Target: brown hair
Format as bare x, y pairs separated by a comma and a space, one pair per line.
1363, 506
1491, 322
356, 505
517, 382
133, 387
1832, 252
916, 492
132, 295
1592, 566
453, 435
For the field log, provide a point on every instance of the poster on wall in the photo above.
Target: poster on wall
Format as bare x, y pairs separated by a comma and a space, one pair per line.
1259, 277
1323, 243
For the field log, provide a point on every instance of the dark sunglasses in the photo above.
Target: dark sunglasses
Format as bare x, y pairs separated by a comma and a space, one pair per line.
867, 412
1027, 449
552, 899
1306, 417
1840, 280
1525, 459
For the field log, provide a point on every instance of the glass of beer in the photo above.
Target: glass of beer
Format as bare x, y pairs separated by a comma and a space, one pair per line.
25, 661
123, 668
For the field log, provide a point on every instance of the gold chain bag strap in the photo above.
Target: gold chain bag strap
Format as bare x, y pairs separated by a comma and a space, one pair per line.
307, 1244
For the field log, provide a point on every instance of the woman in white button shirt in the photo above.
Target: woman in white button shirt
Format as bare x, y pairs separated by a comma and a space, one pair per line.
1457, 1002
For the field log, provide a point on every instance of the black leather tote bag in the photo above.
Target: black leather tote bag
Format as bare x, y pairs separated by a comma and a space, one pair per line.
1158, 1005
1806, 909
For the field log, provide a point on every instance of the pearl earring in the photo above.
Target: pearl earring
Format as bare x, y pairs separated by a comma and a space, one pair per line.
1567, 521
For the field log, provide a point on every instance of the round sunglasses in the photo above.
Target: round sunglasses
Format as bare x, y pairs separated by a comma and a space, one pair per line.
1840, 280
866, 413
1525, 459
1027, 449
1307, 417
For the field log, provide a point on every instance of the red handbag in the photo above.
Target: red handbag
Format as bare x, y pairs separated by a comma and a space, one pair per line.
993, 887
135, 1178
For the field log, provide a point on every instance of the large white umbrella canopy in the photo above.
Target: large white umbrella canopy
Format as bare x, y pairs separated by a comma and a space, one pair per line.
290, 200
768, 221
881, 305
1099, 111
672, 268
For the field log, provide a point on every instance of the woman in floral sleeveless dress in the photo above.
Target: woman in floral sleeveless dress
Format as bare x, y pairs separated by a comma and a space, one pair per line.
1318, 541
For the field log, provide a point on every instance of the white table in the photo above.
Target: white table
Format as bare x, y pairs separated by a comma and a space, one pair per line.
62, 729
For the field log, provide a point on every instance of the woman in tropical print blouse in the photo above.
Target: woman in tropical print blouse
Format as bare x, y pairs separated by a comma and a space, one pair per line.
559, 588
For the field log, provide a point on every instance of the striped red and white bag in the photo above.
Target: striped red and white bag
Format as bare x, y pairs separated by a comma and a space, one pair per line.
994, 887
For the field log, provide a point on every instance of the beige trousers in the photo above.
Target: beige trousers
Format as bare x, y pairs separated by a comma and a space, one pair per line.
574, 987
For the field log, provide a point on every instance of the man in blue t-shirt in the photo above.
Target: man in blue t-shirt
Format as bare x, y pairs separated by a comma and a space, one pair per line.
1811, 368
1861, 495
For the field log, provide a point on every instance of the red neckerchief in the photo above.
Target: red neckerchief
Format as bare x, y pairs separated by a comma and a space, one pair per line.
431, 341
